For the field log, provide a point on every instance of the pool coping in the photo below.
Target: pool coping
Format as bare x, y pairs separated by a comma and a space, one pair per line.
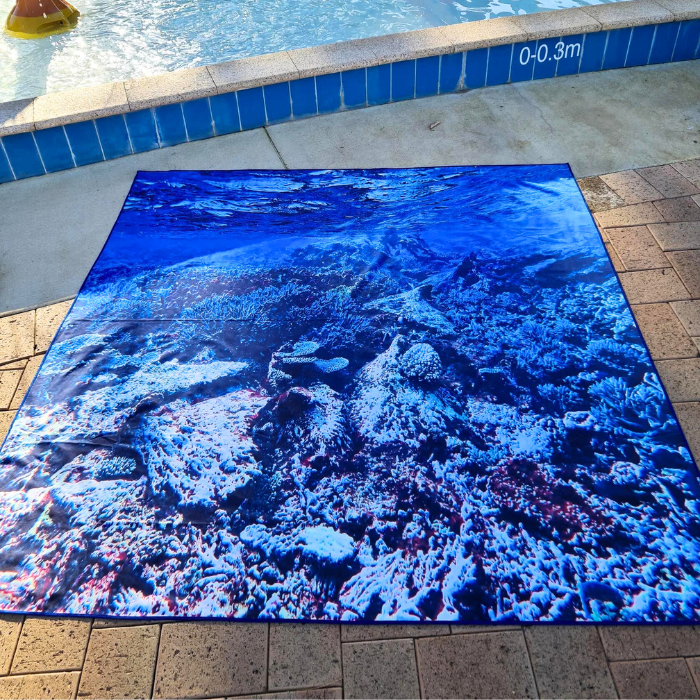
48, 115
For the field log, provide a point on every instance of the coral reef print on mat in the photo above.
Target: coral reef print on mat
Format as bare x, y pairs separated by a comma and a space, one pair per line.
398, 395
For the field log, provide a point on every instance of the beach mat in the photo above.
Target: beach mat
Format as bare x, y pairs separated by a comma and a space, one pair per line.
351, 395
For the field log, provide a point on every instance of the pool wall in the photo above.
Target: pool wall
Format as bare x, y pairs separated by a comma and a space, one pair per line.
69, 129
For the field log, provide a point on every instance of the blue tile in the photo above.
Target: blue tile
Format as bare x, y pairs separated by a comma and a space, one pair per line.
84, 142
278, 104
23, 155
224, 111
198, 119
451, 72
403, 80
546, 61
640, 45
616, 49
251, 108
142, 130
427, 74
664, 42
523, 61
569, 54
687, 41
5, 170
113, 136
498, 69
328, 93
593, 50
354, 88
171, 125
54, 149
303, 97
475, 68
379, 84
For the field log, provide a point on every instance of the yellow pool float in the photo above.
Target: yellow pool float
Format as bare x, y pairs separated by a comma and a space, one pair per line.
34, 19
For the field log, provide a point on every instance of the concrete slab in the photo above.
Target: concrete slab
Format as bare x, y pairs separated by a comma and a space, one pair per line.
491, 665
664, 333
48, 247
51, 644
48, 686
666, 678
569, 662
600, 123
637, 248
303, 656
385, 669
211, 659
120, 663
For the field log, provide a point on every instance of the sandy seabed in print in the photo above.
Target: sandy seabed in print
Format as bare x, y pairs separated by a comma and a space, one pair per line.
380, 395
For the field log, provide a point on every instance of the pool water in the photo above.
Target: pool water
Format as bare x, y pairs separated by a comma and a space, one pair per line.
134, 38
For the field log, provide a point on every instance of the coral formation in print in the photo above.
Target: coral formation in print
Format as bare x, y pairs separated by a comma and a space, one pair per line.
382, 395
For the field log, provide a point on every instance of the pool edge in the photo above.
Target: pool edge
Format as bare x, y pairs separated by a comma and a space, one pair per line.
64, 130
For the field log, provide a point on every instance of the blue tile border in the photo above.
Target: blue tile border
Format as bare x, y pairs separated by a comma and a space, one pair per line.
54, 149
28, 154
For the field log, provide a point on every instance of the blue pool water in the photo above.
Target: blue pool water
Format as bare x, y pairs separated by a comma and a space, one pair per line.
130, 38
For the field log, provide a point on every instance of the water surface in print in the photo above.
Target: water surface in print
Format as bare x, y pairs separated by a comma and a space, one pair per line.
381, 395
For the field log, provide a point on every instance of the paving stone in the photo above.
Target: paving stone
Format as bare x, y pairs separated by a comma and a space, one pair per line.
8, 384
637, 248
649, 286
304, 694
51, 644
471, 629
367, 633
689, 417
666, 678
689, 169
211, 659
10, 627
569, 662
694, 666
617, 264
6, 418
25, 382
52, 686
683, 235
16, 364
16, 336
663, 332
668, 181
48, 319
689, 314
635, 643
598, 196
631, 187
303, 656
634, 215
687, 265
120, 663
493, 665
679, 209
102, 624
385, 669
681, 379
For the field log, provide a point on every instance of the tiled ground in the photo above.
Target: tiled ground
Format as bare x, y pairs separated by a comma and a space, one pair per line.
650, 220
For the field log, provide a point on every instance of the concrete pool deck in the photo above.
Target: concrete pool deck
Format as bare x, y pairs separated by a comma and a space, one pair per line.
599, 122
52, 228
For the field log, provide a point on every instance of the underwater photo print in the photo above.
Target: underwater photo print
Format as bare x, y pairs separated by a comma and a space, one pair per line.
381, 395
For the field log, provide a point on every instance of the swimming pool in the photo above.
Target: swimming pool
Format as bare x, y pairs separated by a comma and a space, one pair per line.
132, 38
